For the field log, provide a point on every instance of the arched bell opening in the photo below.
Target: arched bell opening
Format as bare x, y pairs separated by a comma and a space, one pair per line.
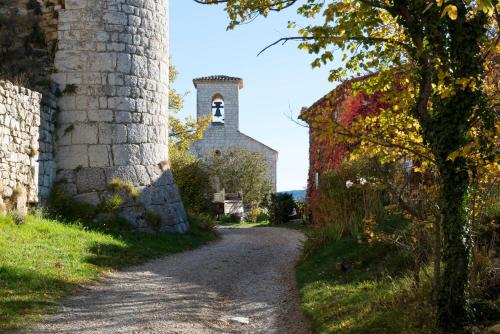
218, 110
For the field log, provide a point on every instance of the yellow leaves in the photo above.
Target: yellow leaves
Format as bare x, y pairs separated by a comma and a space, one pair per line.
486, 6
451, 11
465, 83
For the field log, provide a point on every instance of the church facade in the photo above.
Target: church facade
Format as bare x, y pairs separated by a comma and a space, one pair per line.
218, 96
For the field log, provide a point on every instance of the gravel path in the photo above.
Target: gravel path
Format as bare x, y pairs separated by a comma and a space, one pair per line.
243, 283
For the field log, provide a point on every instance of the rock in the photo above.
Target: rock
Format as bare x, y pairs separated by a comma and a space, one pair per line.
3, 208
240, 320
21, 201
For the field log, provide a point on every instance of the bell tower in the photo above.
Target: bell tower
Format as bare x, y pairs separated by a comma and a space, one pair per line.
218, 96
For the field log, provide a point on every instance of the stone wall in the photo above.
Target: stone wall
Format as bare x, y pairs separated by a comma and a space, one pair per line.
46, 144
26, 159
112, 67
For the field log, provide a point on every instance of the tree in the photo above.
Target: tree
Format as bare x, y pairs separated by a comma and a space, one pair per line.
240, 170
436, 46
182, 132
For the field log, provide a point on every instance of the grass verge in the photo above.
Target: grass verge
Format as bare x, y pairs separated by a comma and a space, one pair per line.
351, 288
297, 225
43, 260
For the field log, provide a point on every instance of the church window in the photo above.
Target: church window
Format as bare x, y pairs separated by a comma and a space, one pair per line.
218, 110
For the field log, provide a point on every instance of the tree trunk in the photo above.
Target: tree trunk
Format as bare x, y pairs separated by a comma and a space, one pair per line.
452, 302
437, 259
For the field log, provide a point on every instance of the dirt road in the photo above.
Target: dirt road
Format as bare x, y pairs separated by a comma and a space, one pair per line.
242, 283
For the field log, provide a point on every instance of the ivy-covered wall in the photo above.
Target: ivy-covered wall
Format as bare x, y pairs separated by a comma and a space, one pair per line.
343, 105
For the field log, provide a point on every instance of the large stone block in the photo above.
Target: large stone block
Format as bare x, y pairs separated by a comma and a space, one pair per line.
90, 180
124, 173
99, 155
72, 156
84, 134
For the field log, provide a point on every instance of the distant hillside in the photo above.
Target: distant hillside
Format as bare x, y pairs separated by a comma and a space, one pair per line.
298, 195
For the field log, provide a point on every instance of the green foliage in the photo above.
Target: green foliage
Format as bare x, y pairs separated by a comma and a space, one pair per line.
280, 207
43, 260
153, 219
112, 203
230, 219
127, 187
192, 179
61, 206
240, 170
256, 215
201, 222
103, 217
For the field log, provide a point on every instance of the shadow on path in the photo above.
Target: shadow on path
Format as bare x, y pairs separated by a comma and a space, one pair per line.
243, 283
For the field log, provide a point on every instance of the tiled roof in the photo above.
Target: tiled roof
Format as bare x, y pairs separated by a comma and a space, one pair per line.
218, 78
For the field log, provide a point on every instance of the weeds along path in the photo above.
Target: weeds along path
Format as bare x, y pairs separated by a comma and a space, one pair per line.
243, 283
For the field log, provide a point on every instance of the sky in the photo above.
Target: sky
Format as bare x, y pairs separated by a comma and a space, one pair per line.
277, 83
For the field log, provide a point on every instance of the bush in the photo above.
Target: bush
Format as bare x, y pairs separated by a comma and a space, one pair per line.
280, 207
201, 221
103, 217
62, 206
230, 219
347, 197
256, 215
193, 180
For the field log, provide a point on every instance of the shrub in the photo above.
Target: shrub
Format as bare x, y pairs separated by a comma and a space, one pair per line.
153, 219
102, 217
230, 219
62, 206
256, 215
193, 180
347, 197
127, 187
280, 207
201, 221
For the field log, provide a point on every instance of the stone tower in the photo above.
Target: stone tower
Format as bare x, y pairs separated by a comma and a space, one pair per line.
219, 95
111, 66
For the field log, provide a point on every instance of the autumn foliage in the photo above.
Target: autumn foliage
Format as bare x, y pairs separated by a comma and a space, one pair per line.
326, 153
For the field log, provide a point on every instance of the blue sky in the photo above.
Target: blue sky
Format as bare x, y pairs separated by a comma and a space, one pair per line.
278, 82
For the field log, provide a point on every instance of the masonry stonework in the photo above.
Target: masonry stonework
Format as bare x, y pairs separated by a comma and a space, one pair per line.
113, 124
227, 136
111, 69
26, 155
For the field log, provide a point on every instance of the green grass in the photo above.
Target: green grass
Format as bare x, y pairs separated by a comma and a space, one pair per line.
43, 260
245, 224
298, 225
375, 295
